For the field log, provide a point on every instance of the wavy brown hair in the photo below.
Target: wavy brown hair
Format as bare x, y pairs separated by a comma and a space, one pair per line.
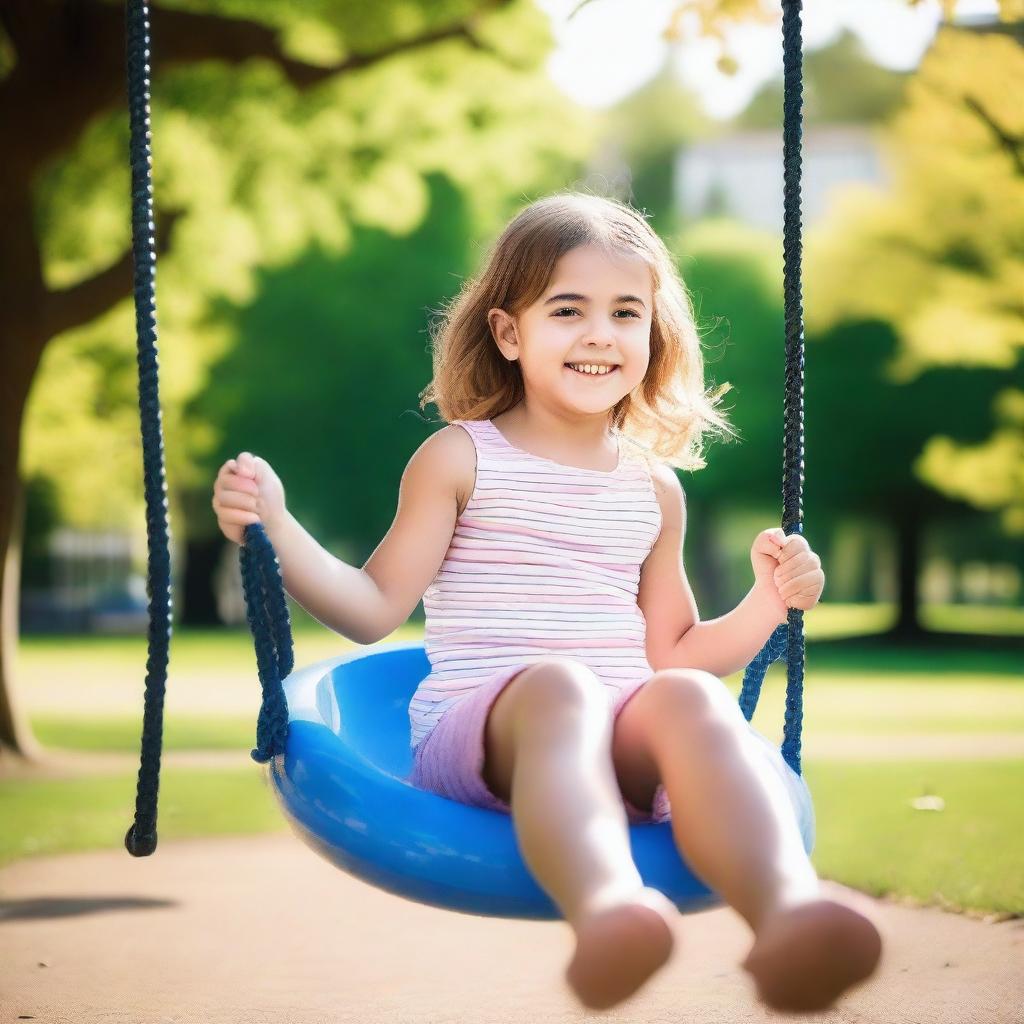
667, 416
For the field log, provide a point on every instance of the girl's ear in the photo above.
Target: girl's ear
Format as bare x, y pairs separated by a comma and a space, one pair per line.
503, 329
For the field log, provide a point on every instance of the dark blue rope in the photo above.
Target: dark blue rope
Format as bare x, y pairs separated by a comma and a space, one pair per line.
266, 606
141, 837
267, 611
788, 640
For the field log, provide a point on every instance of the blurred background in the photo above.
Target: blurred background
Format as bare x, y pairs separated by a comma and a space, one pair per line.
327, 173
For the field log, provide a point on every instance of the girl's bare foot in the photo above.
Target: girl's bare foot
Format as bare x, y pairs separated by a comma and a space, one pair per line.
806, 955
619, 945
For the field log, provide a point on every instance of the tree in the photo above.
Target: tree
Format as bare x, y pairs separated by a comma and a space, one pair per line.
864, 432
274, 128
842, 84
939, 258
646, 131
902, 283
325, 381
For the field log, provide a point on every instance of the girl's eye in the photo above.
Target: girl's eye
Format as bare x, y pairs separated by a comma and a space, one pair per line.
569, 309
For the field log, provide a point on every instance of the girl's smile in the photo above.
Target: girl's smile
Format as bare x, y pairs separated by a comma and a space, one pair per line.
610, 372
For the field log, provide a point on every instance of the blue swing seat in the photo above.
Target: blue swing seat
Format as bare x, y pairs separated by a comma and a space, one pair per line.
341, 784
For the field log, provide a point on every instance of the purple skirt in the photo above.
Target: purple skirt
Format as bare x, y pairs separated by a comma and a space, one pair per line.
450, 761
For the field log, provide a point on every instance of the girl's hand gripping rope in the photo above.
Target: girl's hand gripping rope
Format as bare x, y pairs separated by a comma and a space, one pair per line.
247, 491
788, 567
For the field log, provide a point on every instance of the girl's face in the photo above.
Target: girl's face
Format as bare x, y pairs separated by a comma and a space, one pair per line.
596, 309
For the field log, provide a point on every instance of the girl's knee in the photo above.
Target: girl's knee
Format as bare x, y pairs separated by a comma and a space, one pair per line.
555, 689
691, 695
539, 703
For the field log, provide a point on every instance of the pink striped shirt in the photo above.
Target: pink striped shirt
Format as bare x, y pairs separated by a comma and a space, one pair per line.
545, 559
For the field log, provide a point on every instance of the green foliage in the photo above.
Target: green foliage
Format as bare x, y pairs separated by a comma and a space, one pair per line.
41, 517
940, 260
646, 130
842, 84
864, 431
732, 273
326, 383
264, 177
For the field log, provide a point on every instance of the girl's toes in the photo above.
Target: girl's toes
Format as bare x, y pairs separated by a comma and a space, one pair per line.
807, 956
619, 948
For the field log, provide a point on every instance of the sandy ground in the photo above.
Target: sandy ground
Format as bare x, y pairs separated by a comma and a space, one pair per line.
261, 929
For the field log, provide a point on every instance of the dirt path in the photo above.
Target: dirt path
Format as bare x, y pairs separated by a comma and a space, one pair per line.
257, 930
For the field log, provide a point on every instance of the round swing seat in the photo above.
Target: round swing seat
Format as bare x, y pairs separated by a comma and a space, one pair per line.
341, 783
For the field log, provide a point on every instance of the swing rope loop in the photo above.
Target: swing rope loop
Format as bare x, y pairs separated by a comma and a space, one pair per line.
267, 612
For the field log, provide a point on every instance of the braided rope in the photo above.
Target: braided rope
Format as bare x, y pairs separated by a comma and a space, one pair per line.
788, 640
267, 612
266, 607
141, 837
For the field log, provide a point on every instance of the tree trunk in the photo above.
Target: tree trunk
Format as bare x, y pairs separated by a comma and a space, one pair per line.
23, 331
864, 591
908, 523
202, 557
16, 739
709, 569
68, 68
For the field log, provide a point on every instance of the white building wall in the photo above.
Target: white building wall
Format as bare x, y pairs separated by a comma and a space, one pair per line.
746, 170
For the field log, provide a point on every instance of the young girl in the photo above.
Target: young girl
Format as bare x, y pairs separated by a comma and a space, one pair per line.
572, 683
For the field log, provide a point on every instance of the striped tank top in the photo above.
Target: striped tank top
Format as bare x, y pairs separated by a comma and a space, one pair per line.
544, 560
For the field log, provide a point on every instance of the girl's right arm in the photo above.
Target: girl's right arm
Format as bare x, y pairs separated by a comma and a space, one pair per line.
335, 593
368, 604
342, 597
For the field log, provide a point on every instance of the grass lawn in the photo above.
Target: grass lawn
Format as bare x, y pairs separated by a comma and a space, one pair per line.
85, 693
966, 856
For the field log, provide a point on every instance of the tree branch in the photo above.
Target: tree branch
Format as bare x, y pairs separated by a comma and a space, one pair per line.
1010, 143
70, 63
96, 295
182, 37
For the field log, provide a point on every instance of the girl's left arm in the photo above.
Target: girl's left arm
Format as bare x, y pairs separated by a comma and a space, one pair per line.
787, 574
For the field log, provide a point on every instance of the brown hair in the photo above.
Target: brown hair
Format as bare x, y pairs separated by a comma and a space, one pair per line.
666, 416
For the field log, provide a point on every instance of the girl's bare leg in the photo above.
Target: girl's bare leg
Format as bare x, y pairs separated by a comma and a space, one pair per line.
733, 823
548, 752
